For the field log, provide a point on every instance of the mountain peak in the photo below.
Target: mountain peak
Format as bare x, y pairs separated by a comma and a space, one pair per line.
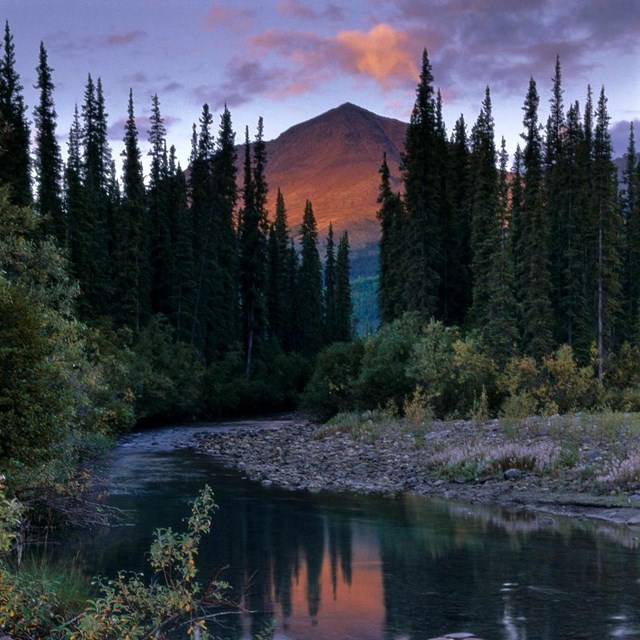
333, 160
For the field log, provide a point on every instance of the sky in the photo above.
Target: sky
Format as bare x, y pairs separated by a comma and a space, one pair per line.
290, 60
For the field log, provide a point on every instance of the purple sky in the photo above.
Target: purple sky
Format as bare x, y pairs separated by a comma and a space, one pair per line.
290, 60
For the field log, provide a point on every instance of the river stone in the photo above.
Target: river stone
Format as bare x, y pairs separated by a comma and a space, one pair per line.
512, 474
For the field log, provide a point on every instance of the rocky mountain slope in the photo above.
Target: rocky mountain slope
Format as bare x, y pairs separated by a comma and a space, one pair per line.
333, 160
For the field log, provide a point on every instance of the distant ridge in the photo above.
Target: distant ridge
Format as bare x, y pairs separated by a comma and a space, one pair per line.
333, 160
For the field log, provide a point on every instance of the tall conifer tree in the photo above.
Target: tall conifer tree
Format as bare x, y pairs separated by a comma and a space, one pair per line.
253, 248
132, 265
391, 277
608, 237
421, 168
631, 220
310, 285
344, 304
48, 161
533, 278
330, 301
14, 152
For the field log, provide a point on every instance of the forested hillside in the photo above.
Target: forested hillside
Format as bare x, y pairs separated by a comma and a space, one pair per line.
127, 298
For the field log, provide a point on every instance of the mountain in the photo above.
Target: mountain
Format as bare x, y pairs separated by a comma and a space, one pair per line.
333, 160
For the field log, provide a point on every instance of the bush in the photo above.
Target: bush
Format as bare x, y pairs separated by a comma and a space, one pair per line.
333, 384
456, 374
383, 375
557, 386
166, 376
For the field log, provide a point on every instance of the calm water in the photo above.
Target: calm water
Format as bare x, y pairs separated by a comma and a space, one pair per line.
330, 566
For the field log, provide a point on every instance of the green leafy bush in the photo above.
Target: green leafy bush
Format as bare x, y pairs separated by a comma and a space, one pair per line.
332, 387
383, 374
456, 374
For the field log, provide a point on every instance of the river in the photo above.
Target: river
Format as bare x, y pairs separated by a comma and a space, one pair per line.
345, 566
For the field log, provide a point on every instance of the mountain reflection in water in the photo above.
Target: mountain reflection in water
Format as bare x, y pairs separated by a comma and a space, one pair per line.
332, 567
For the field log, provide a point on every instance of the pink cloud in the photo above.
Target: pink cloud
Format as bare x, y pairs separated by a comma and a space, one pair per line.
383, 53
220, 14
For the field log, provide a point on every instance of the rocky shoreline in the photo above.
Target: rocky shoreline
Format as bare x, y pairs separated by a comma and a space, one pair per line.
300, 454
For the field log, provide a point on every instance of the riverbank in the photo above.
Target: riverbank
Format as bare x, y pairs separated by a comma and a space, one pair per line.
577, 466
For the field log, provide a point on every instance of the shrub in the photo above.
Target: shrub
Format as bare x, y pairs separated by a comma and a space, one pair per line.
332, 387
454, 372
383, 375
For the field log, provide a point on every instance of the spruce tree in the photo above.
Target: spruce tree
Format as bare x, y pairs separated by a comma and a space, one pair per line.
14, 152
48, 161
202, 195
485, 234
162, 254
459, 203
330, 300
344, 304
533, 277
278, 293
224, 310
391, 278
631, 221
183, 275
423, 232
253, 249
132, 266
90, 233
310, 285
608, 237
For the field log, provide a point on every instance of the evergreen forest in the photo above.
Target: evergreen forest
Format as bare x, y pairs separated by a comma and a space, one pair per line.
127, 298
504, 286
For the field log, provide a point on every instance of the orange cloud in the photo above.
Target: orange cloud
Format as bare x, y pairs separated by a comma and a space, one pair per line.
382, 53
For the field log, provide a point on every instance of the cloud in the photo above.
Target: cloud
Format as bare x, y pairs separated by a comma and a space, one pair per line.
302, 11
221, 15
68, 43
246, 80
382, 53
125, 38
172, 87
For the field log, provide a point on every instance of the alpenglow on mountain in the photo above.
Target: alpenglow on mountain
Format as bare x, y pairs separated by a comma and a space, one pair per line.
333, 160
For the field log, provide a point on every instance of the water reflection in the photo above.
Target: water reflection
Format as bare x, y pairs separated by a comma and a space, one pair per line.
337, 567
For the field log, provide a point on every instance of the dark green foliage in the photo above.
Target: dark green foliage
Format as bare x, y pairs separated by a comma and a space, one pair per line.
532, 277
383, 376
224, 311
90, 204
608, 236
48, 161
161, 219
366, 316
390, 214
166, 376
494, 310
14, 128
458, 265
344, 304
333, 385
131, 263
253, 249
631, 221
279, 292
330, 302
310, 300
423, 231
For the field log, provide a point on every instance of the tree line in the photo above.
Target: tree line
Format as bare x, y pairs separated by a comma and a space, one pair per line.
503, 290
544, 254
177, 288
